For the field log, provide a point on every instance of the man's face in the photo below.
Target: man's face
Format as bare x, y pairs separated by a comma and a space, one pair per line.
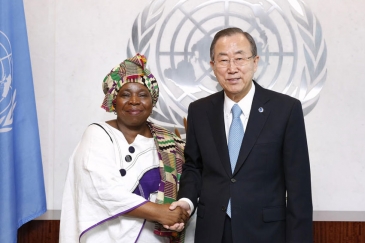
236, 80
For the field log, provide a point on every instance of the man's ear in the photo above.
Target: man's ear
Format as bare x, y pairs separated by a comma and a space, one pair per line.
212, 64
256, 62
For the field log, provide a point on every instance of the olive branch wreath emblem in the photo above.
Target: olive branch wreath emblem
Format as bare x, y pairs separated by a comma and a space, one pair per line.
144, 26
7, 110
313, 75
7, 120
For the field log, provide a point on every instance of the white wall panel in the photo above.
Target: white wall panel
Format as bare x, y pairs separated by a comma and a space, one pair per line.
74, 44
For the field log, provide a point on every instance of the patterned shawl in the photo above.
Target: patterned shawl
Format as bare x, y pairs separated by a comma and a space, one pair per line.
171, 155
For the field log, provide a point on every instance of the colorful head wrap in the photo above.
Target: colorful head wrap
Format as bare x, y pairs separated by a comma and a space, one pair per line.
131, 70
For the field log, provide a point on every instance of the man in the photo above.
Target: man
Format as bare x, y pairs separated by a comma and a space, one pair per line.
239, 168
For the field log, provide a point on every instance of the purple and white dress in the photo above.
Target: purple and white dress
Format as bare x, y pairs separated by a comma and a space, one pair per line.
96, 196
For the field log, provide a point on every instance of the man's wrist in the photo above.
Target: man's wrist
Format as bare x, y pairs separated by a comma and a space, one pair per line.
191, 205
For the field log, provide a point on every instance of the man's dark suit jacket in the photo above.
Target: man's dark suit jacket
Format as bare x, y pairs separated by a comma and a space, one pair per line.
273, 160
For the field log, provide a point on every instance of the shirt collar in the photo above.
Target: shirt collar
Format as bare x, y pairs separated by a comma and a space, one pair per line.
245, 103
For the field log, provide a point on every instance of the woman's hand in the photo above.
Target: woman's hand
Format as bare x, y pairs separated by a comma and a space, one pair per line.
163, 214
171, 217
175, 205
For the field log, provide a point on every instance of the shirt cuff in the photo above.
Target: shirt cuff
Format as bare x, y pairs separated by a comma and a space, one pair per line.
189, 202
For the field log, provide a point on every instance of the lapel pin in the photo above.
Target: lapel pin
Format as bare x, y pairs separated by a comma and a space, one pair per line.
261, 109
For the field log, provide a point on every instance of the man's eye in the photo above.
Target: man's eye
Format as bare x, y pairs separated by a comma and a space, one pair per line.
223, 61
239, 59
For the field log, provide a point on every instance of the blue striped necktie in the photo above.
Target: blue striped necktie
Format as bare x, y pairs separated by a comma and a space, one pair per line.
235, 137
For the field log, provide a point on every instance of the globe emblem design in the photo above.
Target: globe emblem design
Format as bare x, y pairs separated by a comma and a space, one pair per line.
289, 42
190, 77
6, 96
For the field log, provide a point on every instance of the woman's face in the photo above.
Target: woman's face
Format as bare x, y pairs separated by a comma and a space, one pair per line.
133, 104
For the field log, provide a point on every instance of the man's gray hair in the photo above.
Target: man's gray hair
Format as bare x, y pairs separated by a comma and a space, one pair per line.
229, 32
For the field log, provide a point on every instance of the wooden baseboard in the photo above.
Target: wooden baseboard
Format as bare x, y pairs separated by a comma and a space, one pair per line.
39, 231
338, 232
47, 231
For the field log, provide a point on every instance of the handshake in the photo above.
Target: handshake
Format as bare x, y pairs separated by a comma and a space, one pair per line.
174, 216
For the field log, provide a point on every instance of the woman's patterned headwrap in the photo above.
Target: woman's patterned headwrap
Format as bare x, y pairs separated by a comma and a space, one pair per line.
130, 70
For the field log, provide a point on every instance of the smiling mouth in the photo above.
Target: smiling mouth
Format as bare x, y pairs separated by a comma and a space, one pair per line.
233, 79
134, 112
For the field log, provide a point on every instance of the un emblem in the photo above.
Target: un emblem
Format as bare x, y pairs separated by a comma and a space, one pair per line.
176, 41
7, 95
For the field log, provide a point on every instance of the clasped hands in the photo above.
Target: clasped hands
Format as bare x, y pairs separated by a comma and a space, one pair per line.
176, 219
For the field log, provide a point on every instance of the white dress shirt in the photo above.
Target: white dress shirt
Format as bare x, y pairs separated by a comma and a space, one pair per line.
245, 105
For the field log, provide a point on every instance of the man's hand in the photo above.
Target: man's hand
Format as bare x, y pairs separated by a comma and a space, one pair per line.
166, 216
161, 213
178, 226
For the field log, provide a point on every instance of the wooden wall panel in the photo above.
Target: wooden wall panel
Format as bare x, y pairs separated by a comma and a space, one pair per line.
39, 231
47, 231
339, 232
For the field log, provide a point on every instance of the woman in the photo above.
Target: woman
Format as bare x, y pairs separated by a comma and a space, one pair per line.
124, 173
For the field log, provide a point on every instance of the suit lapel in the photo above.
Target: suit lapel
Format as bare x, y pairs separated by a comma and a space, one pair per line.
216, 120
255, 124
